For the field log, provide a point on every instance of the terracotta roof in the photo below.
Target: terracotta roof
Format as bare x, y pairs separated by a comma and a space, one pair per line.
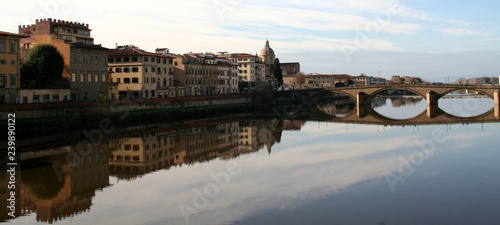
81, 45
245, 55
132, 51
2, 33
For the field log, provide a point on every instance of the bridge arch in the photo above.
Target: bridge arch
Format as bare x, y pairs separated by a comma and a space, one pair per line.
483, 92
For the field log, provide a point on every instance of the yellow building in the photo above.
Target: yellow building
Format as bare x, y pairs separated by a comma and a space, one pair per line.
251, 71
142, 74
9, 67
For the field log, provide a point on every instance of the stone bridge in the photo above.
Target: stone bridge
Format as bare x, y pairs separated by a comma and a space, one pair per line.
365, 113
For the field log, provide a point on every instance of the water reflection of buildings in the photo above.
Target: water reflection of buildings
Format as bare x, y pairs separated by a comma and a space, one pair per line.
60, 183
338, 108
399, 102
143, 154
57, 188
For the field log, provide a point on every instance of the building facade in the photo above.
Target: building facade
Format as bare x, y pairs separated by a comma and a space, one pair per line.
324, 80
368, 80
290, 68
10, 66
250, 71
142, 74
205, 74
85, 64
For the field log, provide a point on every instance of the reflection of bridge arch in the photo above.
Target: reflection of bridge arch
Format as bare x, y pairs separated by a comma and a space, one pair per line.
372, 117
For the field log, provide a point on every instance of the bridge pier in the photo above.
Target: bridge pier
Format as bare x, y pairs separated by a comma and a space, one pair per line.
362, 103
496, 99
432, 103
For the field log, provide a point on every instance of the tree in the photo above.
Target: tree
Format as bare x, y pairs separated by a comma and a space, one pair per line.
340, 84
43, 68
350, 82
276, 71
300, 79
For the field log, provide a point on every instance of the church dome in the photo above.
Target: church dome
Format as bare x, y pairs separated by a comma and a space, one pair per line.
267, 50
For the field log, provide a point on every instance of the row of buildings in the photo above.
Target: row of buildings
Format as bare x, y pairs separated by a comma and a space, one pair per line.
127, 72
332, 80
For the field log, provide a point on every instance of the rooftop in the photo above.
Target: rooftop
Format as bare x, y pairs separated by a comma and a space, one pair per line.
2, 33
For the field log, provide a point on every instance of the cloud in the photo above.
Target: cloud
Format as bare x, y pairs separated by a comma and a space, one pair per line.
463, 31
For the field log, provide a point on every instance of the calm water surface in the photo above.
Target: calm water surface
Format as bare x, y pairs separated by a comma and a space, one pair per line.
274, 172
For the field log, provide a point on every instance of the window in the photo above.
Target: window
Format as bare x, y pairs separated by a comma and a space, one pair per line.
152, 59
117, 80
104, 78
75, 31
2, 46
89, 77
170, 61
96, 78
12, 81
134, 59
73, 77
126, 59
81, 77
126, 70
153, 95
164, 61
146, 59
96, 60
126, 80
153, 69
36, 98
3, 81
90, 59
3, 61
118, 60
85, 94
110, 60
13, 46
145, 69
73, 58
82, 59
12, 62
118, 70
153, 79
45, 98
135, 70
135, 80
104, 60
55, 98
146, 80
84, 32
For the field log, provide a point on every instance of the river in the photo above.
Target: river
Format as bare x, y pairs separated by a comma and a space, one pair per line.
265, 170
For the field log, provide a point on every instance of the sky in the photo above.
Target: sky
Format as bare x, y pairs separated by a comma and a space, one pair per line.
435, 40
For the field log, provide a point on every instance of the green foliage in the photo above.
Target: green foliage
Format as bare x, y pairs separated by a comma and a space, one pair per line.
43, 68
276, 71
350, 82
340, 84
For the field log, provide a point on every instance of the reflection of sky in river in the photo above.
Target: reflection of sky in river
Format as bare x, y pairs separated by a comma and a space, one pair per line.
325, 174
